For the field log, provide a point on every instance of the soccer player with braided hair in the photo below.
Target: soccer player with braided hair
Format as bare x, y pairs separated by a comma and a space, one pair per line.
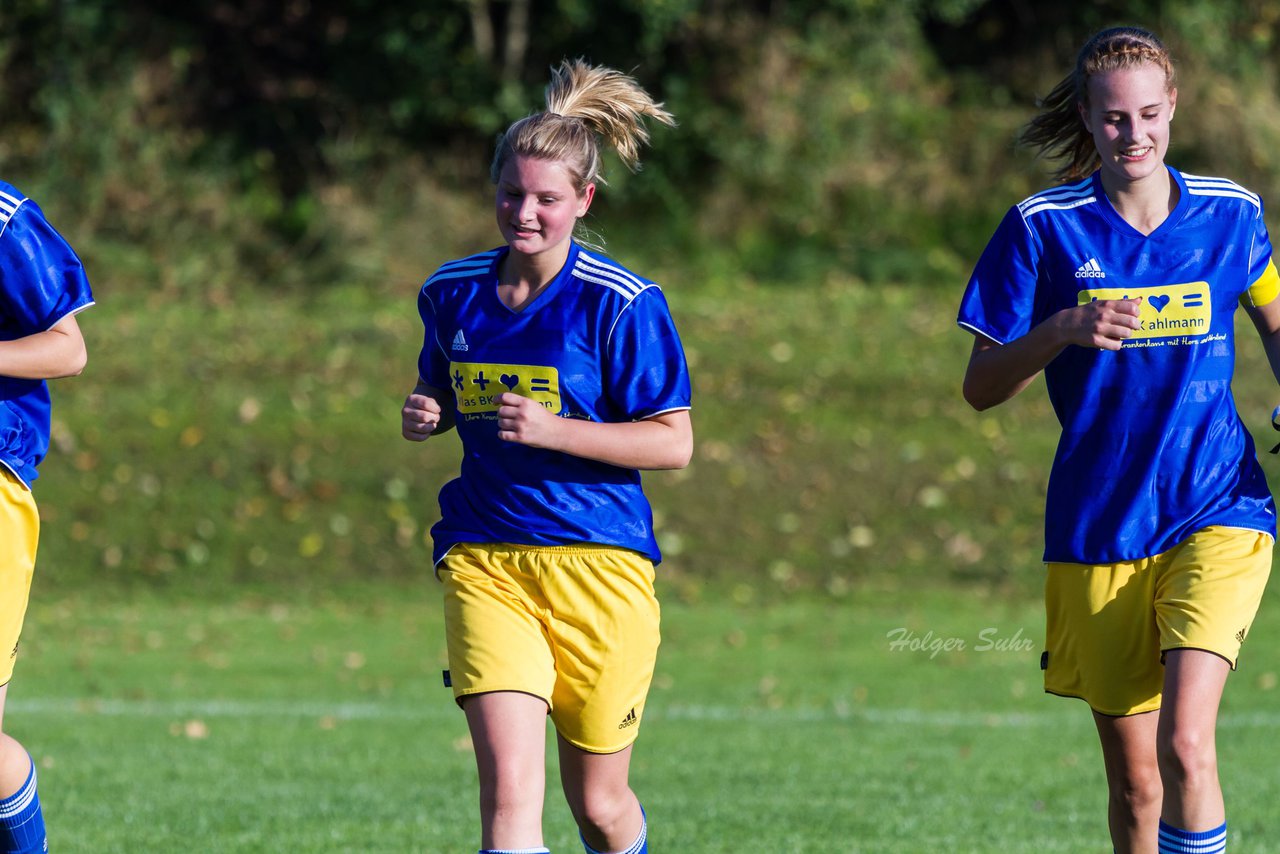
565, 377
1121, 286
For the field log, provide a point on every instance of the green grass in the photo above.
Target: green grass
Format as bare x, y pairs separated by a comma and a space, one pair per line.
227, 441
317, 724
213, 443
221, 439
235, 644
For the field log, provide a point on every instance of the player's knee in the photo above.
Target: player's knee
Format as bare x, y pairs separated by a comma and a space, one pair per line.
601, 810
1187, 755
1139, 791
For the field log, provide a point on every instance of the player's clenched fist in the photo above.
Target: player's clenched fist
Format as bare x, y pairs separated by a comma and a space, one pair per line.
1101, 324
525, 421
420, 417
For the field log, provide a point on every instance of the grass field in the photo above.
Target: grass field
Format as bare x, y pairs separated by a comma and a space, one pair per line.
259, 725
195, 679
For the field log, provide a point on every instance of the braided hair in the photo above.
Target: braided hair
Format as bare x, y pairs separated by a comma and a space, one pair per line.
1058, 132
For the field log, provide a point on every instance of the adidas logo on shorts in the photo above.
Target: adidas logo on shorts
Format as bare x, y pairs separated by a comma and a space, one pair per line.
629, 720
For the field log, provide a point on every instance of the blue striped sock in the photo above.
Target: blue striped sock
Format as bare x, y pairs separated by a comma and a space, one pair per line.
21, 822
1175, 841
515, 851
640, 846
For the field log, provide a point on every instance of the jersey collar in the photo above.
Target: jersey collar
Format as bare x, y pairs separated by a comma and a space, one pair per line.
1118, 223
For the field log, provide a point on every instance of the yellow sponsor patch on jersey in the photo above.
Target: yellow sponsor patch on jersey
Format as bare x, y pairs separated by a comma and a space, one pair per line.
477, 386
1166, 310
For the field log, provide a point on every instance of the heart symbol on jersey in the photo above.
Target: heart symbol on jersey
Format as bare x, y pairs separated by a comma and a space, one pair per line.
1158, 303
513, 380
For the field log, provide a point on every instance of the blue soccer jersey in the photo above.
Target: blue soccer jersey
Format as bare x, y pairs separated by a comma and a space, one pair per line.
41, 282
1152, 447
598, 343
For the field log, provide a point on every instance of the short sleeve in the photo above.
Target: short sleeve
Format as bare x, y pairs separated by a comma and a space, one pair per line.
1264, 283
646, 371
433, 363
41, 278
999, 301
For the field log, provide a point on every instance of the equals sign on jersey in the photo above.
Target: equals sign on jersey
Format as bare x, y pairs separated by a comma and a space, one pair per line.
540, 384
1192, 300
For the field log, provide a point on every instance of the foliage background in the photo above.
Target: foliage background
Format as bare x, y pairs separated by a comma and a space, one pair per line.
257, 189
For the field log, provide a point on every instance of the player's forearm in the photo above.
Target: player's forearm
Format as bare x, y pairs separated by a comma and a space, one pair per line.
662, 442
1271, 345
998, 372
57, 352
1267, 321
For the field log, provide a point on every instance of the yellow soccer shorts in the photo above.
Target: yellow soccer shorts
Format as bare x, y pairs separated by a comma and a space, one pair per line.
574, 625
1109, 626
19, 534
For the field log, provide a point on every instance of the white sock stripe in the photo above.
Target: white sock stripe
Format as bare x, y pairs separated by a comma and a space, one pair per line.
17, 803
640, 840
1182, 847
1171, 842
635, 847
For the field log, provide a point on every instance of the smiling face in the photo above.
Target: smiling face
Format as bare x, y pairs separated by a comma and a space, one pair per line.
538, 206
1128, 116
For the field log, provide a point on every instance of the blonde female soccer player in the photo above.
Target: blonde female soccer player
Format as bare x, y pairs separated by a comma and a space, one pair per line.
42, 288
564, 375
1121, 286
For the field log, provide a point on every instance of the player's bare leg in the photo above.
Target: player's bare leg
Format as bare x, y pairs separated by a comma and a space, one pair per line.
1133, 780
15, 765
596, 787
22, 829
1193, 685
508, 730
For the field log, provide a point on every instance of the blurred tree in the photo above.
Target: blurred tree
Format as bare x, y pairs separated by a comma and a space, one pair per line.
883, 116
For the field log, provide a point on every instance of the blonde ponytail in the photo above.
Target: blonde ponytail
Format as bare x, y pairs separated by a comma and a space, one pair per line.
584, 103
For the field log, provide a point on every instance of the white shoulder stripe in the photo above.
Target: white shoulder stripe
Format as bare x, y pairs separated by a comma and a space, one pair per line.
471, 259
1057, 206
7, 213
1209, 179
9, 206
1056, 196
458, 270
611, 277
463, 267
1199, 185
629, 293
1059, 200
1222, 192
1070, 191
605, 267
